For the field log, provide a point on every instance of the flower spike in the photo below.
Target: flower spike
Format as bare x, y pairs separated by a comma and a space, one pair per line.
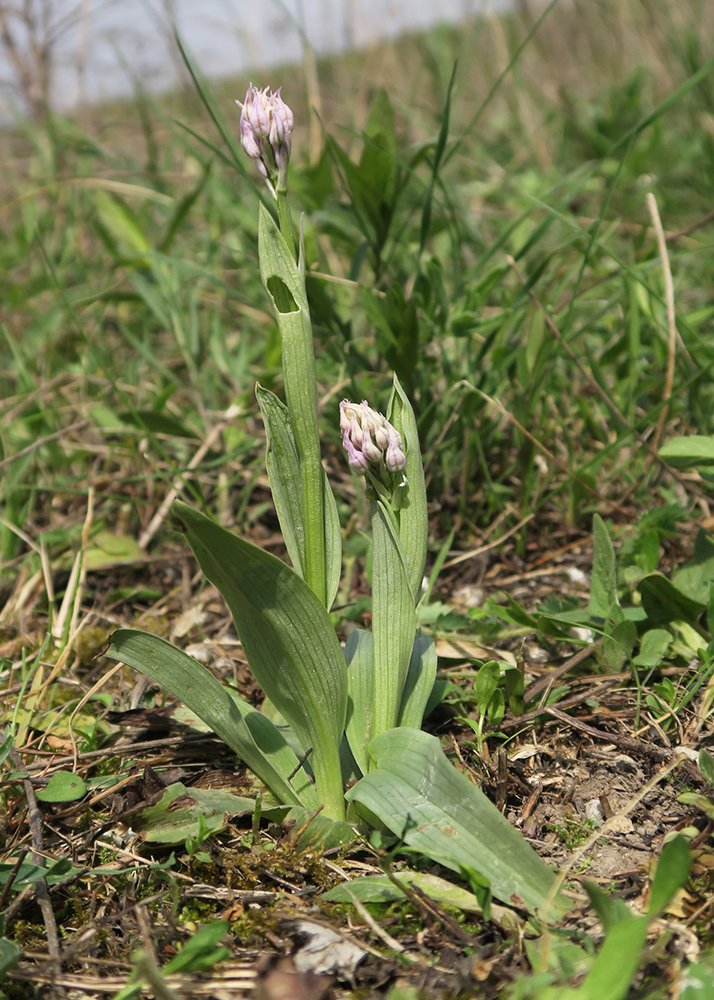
266, 125
372, 444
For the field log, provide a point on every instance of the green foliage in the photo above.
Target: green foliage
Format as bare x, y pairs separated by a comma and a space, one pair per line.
131, 296
491, 699
637, 611
610, 973
433, 808
62, 787
201, 951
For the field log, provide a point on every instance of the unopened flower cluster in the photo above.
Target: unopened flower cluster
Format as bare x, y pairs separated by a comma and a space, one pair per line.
371, 442
266, 124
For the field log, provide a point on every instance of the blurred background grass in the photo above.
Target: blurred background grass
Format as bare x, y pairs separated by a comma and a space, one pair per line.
483, 230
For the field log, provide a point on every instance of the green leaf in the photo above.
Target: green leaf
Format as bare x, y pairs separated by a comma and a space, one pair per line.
106, 548
663, 603
706, 765
183, 208
156, 422
319, 831
121, 222
617, 644
9, 955
603, 594
697, 981
609, 909
283, 465
200, 951
694, 579
381, 889
288, 639
6, 745
702, 802
413, 515
617, 962
673, 867
496, 709
653, 646
28, 873
176, 816
378, 163
688, 452
438, 155
253, 737
359, 654
419, 682
393, 619
486, 683
435, 809
62, 787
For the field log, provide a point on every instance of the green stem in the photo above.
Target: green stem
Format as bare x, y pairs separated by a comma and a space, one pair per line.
285, 220
301, 397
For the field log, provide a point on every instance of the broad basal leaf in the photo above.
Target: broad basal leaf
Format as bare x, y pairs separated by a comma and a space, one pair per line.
382, 889
288, 639
253, 737
664, 603
435, 809
175, 818
692, 451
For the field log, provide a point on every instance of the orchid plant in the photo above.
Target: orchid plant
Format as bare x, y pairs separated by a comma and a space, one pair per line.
340, 713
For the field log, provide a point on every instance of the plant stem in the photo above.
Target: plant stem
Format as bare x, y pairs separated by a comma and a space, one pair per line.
285, 220
301, 397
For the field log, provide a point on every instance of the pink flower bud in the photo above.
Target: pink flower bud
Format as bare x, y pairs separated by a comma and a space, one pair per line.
371, 443
265, 134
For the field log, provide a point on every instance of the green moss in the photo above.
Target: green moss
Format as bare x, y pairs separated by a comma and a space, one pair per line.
90, 643
573, 832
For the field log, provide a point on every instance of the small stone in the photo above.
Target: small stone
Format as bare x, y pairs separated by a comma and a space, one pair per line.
593, 811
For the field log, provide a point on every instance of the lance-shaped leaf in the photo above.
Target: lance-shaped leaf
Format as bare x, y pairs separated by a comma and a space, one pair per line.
288, 639
419, 682
603, 591
421, 797
283, 465
393, 619
253, 737
359, 654
413, 514
286, 286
